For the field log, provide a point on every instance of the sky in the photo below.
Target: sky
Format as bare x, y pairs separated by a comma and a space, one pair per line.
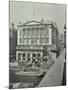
20, 11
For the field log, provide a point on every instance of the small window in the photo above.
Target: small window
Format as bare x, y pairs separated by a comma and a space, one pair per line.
37, 28
24, 58
33, 28
28, 41
24, 41
24, 55
20, 33
41, 40
47, 31
19, 56
34, 41
34, 55
28, 31
24, 31
47, 40
20, 40
38, 41
39, 55
28, 55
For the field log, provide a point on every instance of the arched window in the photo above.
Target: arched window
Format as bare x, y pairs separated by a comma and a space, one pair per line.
24, 55
34, 55
39, 55
28, 55
19, 56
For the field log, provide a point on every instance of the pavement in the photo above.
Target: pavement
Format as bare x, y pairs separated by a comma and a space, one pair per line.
55, 73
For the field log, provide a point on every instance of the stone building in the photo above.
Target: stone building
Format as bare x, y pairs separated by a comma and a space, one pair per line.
33, 37
12, 42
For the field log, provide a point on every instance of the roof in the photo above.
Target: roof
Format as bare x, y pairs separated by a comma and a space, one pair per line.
33, 22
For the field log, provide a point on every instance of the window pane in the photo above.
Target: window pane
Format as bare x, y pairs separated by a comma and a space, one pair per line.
33, 41
20, 33
47, 40
37, 32
47, 31
33, 31
42, 33
24, 32
24, 55
28, 31
19, 56
24, 41
20, 40
37, 41
29, 41
41, 40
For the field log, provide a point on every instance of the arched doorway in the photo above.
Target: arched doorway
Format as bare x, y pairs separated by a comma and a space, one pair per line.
19, 56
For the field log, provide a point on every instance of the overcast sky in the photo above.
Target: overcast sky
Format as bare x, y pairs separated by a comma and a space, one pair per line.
21, 11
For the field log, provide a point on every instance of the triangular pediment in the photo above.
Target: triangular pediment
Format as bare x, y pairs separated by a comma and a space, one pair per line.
32, 23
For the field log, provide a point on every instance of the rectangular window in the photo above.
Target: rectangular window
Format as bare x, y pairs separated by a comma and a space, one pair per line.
24, 32
42, 32
24, 41
47, 40
33, 41
33, 32
20, 33
28, 41
47, 31
20, 40
41, 40
37, 33
28, 32
38, 41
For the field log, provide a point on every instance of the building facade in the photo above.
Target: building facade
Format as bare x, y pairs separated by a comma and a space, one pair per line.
33, 37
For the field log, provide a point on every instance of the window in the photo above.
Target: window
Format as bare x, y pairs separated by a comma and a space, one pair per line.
37, 31
34, 55
47, 31
24, 41
42, 40
28, 55
20, 40
33, 28
47, 40
20, 32
28, 31
42, 32
19, 56
33, 41
39, 55
37, 28
29, 41
23, 55
37, 41
24, 31
33, 31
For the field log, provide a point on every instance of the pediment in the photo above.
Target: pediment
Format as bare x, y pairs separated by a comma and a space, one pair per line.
32, 22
